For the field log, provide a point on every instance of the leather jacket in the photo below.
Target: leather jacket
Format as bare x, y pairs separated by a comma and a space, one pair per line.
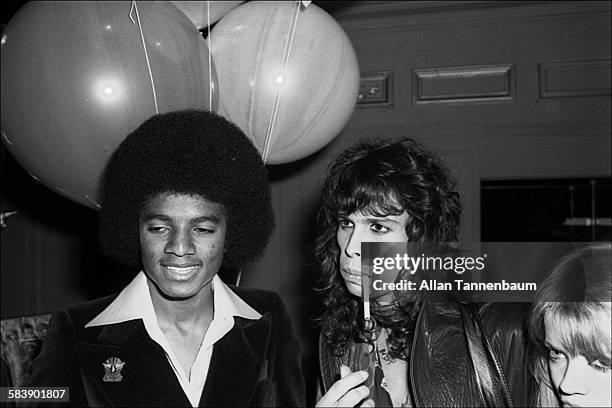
462, 354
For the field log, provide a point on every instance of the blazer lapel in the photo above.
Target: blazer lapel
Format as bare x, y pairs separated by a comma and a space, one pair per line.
239, 361
146, 377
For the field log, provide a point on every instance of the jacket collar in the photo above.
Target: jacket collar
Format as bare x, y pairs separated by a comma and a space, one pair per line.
147, 378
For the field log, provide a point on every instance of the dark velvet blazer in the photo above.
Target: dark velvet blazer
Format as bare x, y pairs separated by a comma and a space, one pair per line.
257, 363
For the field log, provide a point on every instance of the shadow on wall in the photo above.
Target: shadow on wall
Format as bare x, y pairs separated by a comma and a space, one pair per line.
304, 271
44, 221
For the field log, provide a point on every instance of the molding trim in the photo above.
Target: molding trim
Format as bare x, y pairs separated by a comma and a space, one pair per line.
477, 83
349, 10
375, 89
571, 79
365, 16
344, 10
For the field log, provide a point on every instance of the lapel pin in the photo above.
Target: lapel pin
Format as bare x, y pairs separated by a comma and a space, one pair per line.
112, 369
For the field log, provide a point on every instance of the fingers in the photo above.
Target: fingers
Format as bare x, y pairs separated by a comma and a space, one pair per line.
348, 382
347, 391
344, 371
353, 397
369, 403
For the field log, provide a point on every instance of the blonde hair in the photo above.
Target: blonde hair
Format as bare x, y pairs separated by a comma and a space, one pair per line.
578, 288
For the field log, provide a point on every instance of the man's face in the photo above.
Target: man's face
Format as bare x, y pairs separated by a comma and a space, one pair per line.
182, 240
359, 227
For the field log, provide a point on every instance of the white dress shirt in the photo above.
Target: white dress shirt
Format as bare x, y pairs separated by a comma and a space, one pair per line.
134, 302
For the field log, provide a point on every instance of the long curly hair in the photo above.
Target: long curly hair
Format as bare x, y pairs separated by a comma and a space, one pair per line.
380, 177
189, 152
578, 287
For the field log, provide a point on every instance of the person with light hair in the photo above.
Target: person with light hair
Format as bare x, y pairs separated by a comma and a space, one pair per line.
570, 329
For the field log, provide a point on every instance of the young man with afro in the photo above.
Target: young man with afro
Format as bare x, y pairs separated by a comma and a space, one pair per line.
184, 194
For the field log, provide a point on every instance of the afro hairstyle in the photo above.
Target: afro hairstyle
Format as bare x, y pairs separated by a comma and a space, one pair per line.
190, 152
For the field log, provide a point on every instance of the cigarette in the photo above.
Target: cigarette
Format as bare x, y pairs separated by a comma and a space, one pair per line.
366, 310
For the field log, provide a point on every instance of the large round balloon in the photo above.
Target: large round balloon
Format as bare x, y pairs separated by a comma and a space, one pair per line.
288, 76
77, 77
205, 13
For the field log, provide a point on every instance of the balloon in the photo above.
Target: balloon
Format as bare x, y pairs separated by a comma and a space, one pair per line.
198, 11
76, 80
291, 89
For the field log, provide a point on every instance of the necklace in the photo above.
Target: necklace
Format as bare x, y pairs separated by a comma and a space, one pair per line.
394, 379
386, 357
382, 352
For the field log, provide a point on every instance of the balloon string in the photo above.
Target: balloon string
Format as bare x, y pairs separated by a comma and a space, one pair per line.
210, 84
287, 52
144, 45
238, 278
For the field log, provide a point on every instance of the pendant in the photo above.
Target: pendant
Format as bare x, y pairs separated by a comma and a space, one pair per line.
385, 356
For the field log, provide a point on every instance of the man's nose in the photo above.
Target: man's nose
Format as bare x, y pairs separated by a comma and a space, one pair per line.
575, 381
353, 244
180, 244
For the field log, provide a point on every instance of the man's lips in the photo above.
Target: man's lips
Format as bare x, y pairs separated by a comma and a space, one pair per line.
352, 273
181, 269
351, 277
183, 264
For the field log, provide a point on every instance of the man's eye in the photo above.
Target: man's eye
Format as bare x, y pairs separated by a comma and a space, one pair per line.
379, 228
156, 229
203, 230
601, 367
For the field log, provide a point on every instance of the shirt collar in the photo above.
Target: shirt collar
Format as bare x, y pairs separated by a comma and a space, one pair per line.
229, 303
134, 302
